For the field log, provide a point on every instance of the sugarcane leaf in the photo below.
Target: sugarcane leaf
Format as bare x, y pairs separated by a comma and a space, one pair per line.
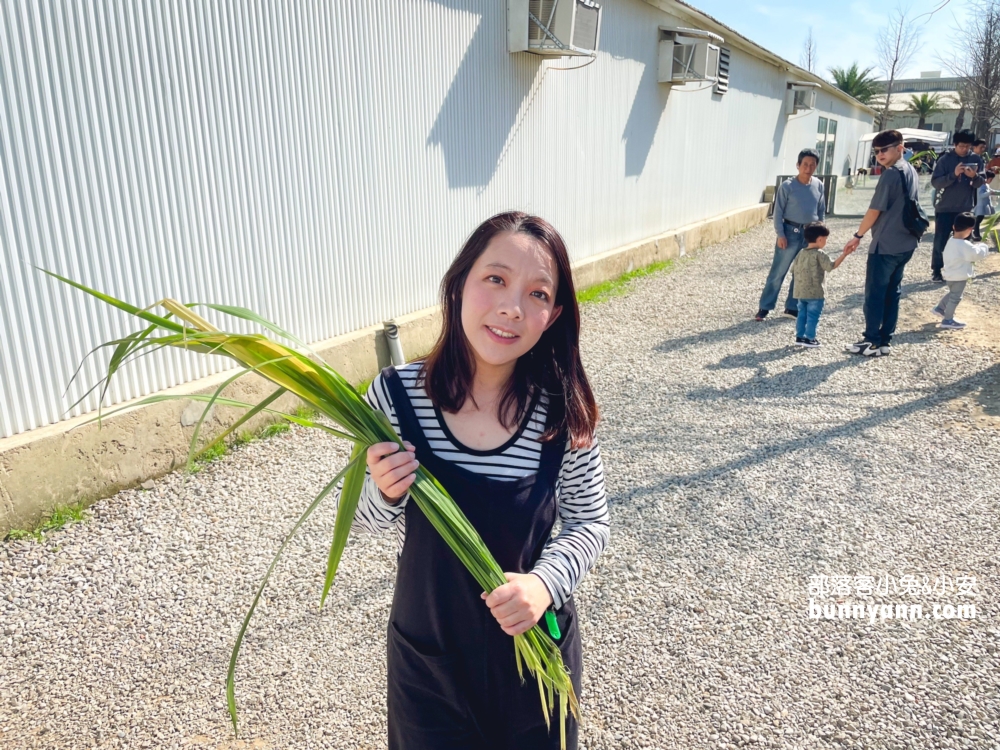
350, 495
231, 675
120, 353
160, 398
250, 315
247, 416
103, 381
114, 302
185, 313
204, 414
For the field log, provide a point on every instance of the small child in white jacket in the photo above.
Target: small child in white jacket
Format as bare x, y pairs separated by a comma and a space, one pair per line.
959, 255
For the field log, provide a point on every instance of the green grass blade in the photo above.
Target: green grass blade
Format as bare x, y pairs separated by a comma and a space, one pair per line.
354, 481
231, 675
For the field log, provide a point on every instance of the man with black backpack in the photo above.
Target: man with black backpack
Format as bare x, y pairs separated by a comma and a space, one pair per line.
897, 221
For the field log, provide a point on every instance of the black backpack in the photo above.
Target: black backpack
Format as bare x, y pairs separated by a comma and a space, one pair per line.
914, 218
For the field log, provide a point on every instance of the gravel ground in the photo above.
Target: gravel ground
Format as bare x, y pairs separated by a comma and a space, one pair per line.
738, 467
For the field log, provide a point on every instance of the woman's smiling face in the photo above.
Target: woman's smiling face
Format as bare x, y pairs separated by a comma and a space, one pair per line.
508, 300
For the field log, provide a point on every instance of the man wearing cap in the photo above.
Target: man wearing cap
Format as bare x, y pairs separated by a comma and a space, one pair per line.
891, 247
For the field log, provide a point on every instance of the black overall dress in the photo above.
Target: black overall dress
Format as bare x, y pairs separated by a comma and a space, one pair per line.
453, 682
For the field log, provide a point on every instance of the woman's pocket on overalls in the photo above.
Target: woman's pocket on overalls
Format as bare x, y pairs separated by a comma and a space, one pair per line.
425, 688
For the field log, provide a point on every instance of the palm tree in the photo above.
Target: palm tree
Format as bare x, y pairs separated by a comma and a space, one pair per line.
924, 106
856, 82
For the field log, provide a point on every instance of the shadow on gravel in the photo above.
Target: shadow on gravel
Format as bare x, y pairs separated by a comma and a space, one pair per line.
734, 331
965, 386
800, 379
923, 286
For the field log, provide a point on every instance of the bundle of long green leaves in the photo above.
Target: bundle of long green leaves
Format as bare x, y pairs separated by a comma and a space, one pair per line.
298, 370
990, 227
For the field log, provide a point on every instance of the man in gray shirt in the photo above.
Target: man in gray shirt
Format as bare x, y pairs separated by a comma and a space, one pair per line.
957, 177
892, 244
797, 202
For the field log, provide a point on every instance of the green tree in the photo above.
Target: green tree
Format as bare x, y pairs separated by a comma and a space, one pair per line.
856, 82
924, 106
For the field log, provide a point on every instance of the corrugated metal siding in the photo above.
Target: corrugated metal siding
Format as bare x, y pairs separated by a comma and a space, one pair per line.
322, 162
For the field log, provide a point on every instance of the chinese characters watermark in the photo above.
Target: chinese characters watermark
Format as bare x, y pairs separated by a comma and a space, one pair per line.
842, 589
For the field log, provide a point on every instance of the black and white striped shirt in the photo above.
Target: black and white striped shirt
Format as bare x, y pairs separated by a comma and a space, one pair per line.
583, 508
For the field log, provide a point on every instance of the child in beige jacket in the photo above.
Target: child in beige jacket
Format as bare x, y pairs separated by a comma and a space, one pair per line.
809, 270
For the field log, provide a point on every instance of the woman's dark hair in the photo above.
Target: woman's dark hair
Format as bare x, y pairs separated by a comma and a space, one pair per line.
552, 365
814, 230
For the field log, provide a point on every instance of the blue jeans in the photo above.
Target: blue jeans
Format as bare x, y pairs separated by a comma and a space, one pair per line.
883, 288
809, 312
779, 269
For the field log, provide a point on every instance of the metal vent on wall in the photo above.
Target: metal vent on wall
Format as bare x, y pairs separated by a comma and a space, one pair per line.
588, 18
542, 10
722, 85
554, 27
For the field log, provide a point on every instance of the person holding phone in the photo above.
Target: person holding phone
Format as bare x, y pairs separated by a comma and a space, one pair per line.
957, 177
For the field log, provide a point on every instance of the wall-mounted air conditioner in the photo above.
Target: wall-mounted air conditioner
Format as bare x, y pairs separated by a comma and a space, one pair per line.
554, 27
688, 55
800, 96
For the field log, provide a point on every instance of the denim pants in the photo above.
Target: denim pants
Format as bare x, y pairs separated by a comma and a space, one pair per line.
942, 233
809, 312
883, 288
779, 269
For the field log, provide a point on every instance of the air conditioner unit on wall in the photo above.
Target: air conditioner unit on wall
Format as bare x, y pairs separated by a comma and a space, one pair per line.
554, 27
687, 55
800, 96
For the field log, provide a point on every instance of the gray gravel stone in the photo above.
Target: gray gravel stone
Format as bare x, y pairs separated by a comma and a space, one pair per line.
738, 466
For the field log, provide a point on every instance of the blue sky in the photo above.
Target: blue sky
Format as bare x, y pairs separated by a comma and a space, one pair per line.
844, 31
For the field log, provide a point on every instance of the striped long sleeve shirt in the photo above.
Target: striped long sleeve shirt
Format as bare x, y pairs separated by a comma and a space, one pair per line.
580, 494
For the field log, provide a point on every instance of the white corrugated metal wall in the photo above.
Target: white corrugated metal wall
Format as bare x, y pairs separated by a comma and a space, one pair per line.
322, 162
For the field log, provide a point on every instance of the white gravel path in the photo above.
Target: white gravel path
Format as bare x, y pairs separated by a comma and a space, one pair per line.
737, 466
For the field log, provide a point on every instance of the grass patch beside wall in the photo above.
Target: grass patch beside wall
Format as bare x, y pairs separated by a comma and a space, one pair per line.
619, 286
55, 520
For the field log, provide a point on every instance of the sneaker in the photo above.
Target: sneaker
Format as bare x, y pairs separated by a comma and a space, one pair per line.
937, 311
761, 314
864, 348
800, 341
791, 313
811, 343
885, 350
937, 278
953, 324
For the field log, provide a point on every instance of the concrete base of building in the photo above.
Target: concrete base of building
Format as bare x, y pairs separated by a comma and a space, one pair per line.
80, 461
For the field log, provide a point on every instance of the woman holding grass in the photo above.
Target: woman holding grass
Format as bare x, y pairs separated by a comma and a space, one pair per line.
502, 415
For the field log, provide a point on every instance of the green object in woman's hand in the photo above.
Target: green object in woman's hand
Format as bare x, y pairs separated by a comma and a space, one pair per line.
553, 624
